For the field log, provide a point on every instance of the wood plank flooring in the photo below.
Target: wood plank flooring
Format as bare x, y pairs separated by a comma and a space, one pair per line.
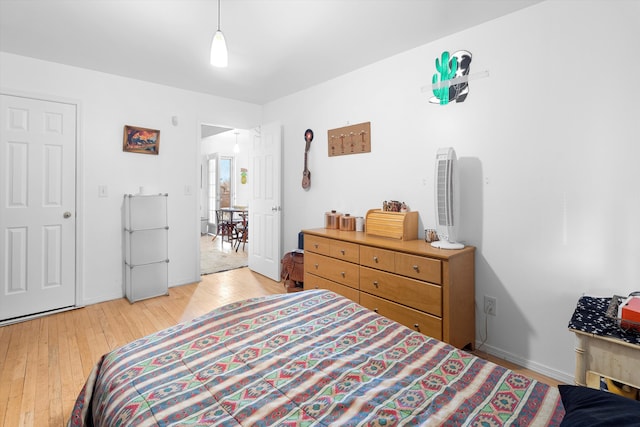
44, 362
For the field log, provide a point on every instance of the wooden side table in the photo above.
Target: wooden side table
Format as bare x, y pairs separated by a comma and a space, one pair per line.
602, 348
613, 358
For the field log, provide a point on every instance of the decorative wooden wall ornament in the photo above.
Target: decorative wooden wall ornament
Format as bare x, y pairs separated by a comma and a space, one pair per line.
354, 139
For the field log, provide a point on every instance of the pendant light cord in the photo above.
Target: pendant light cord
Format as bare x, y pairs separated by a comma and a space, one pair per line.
218, 15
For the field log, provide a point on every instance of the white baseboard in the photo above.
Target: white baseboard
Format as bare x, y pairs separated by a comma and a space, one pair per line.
183, 282
565, 377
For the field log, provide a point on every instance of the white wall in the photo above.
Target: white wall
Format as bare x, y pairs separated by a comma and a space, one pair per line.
109, 102
548, 148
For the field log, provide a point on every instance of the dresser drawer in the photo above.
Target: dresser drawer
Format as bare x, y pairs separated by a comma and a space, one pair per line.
422, 268
407, 281
414, 293
332, 269
345, 251
414, 319
311, 281
382, 259
316, 244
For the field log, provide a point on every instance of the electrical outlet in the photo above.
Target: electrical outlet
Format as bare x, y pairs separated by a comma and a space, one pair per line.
490, 305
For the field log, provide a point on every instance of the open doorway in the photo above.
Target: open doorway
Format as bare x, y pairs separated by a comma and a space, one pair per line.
220, 185
224, 186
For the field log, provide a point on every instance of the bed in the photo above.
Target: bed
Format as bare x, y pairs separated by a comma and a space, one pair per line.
310, 358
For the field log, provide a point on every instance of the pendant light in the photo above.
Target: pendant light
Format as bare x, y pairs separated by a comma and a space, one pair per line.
219, 47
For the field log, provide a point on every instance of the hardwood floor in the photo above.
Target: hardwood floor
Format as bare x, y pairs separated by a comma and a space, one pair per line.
516, 368
44, 362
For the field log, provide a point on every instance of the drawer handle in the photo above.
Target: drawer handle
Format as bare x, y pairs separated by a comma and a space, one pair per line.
343, 274
316, 266
375, 283
375, 259
315, 246
416, 268
375, 309
415, 325
317, 287
342, 251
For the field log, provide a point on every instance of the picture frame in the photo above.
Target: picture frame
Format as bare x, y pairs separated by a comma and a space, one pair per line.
141, 140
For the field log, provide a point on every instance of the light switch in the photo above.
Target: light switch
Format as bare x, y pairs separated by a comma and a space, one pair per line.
187, 190
102, 191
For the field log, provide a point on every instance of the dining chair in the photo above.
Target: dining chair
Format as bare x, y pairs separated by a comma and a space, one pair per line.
242, 232
225, 227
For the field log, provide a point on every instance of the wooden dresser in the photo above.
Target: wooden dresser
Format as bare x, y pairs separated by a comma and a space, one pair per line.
427, 289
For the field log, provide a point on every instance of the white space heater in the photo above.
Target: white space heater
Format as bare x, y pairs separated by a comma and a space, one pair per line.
447, 199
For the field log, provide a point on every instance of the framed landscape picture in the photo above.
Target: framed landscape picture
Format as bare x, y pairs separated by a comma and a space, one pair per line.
141, 140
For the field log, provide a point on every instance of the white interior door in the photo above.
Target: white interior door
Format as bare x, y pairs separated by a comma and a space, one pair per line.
37, 205
265, 209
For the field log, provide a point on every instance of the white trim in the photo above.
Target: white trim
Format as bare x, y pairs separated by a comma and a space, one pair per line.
200, 182
37, 315
565, 377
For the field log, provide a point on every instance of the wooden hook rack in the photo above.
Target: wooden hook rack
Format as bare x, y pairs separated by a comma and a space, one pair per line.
354, 139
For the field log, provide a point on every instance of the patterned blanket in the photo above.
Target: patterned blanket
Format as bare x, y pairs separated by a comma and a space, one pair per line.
590, 316
310, 358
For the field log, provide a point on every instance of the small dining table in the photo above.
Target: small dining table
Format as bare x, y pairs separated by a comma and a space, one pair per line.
241, 211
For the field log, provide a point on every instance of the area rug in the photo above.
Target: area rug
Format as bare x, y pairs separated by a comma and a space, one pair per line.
217, 256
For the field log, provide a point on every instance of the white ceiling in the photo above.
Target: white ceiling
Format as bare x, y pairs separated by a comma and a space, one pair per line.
276, 47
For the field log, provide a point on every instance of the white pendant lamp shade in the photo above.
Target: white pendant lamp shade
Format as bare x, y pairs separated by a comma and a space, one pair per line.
219, 56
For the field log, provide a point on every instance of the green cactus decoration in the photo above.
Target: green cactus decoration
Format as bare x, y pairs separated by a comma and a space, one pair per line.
447, 72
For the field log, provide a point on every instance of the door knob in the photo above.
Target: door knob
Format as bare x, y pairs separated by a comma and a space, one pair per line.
67, 214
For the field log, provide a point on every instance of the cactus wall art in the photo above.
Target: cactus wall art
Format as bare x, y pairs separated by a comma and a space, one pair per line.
449, 67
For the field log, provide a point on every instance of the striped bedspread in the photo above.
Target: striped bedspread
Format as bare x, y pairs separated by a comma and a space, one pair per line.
309, 358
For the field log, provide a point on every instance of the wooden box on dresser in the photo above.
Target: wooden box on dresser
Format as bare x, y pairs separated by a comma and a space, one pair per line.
427, 289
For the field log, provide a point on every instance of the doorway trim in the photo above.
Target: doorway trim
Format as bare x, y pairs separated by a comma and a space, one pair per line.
79, 202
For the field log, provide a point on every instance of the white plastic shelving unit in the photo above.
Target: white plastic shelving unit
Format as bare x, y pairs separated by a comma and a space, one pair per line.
146, 233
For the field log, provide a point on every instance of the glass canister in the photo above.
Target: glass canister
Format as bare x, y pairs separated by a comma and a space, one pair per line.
347, 222
332, 220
